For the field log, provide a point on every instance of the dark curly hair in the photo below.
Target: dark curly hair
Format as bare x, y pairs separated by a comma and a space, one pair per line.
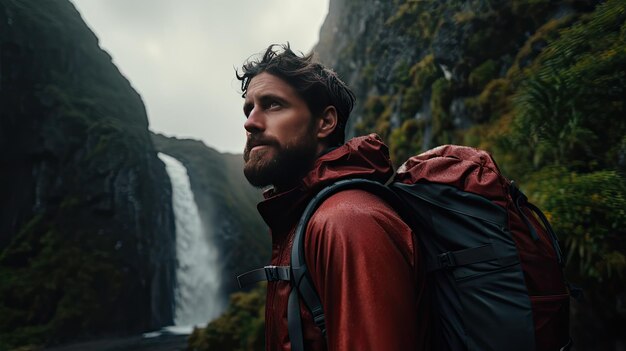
317, 85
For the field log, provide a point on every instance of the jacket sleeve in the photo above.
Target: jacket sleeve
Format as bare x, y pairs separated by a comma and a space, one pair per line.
362, 259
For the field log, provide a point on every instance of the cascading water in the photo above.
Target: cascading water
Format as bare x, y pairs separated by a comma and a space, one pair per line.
198, 297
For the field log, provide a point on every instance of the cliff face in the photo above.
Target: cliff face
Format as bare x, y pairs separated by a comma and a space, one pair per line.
227, 204
422, 70
86, 226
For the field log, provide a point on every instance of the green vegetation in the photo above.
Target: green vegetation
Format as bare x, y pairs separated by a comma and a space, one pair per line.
240, 328
570, 108
378, 116
417, 18
440, 108
406, 140
590, 208
55, 283
568, 138
482, 74
422, 76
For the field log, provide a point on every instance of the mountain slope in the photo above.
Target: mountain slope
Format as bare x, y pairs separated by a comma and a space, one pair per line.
86, 227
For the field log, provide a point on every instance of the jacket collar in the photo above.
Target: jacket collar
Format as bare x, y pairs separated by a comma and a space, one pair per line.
362, 157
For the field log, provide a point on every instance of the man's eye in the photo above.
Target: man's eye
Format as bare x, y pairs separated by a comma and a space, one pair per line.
274, 105
247, 108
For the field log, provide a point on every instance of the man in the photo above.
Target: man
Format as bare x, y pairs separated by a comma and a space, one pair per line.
363, 259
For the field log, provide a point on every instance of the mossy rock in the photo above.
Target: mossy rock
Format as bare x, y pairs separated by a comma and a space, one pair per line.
442, 93
536, 43
483, 74
424, 73
377, 111
493, 100
406, 141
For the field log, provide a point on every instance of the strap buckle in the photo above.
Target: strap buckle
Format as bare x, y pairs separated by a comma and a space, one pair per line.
320, 321
267, 273
271, 272
446, 260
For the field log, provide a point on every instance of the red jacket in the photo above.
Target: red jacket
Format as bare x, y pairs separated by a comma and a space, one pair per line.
363, 259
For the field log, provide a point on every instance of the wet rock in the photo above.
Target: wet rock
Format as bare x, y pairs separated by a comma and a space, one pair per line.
80, 174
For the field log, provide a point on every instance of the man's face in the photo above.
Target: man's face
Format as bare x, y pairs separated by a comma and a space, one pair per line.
282, 143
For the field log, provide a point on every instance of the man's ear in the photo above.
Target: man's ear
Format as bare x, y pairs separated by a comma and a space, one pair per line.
327, 122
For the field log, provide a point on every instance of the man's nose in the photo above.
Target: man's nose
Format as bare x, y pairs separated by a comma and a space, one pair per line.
255, 122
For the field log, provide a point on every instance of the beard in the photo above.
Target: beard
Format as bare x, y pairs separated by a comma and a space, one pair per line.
279, 165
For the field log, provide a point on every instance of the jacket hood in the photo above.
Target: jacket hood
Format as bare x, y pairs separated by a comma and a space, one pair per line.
361, 157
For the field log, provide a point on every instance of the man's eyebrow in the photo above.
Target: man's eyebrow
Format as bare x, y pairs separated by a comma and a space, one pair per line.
270, 96
265, 98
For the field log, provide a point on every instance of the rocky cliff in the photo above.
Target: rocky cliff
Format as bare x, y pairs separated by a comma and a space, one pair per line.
427, 71
227, 204
86, 225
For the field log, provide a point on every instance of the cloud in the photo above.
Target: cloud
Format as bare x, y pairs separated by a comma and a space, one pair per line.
180, 55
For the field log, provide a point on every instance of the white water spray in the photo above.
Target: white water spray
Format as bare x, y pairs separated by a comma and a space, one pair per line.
198, 298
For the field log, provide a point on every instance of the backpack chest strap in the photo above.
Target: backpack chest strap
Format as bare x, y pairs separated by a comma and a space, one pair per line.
267, 273
453, 259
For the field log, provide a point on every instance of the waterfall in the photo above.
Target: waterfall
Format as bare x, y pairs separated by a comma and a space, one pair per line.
197, 296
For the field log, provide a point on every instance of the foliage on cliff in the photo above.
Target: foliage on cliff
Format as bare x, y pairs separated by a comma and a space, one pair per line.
56, 285
567, 135
240, 328
86, 229
540, 84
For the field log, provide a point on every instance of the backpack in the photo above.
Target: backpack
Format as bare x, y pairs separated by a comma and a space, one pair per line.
494, 269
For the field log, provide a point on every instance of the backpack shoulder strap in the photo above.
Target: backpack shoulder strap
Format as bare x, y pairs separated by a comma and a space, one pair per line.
302, 284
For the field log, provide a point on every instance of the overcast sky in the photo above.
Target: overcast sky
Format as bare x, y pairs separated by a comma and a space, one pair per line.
179, 55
